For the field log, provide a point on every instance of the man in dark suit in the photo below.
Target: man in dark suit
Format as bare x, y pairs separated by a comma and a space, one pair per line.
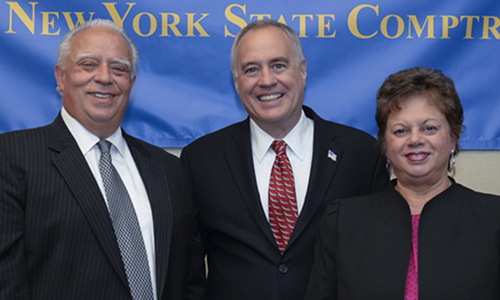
61, 225
232, 171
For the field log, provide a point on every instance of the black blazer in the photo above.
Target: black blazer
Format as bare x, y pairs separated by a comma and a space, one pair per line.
244, 260
364, 243
56, 237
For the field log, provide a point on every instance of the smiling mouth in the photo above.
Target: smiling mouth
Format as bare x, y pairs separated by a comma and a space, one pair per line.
102, 96
268, 98
417, 156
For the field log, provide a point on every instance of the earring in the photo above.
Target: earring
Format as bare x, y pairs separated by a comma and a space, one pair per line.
451, 163
388, 166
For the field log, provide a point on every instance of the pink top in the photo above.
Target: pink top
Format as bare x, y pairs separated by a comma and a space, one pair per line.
411, 290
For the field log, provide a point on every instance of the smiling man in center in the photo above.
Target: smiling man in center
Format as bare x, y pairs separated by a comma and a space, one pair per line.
259, 243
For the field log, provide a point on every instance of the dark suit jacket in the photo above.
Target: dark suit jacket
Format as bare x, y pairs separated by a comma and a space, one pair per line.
364, 243
244, 260
56, 237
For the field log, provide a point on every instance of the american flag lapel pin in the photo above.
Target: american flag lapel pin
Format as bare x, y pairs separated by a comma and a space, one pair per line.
332, 155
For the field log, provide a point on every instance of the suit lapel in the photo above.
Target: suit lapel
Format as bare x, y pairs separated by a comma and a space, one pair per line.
240, 162
159, 198
239, 158
323, 170
78, 176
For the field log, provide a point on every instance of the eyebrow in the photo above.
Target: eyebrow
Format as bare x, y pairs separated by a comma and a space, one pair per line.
274, 60
82, 56
429, 120
423, 123
280, 59
123, 62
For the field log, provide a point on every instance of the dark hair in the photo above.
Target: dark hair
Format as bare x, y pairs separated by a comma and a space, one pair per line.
420, 81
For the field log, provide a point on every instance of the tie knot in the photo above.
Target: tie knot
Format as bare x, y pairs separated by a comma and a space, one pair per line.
104, 146
279, 146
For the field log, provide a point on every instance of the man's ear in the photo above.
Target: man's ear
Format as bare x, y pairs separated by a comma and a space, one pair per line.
235, 79
59, 74
303, 70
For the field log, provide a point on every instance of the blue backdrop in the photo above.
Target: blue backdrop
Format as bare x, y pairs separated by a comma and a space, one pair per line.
185, 89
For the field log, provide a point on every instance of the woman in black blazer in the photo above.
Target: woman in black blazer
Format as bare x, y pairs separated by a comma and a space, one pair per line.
426, 236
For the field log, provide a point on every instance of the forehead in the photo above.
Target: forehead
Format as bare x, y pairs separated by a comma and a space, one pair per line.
417, 107
262, 43
100, 41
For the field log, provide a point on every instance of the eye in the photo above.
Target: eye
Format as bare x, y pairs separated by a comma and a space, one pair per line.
251, 70
279, 66
430, 129
88, 64
400, 131
119, 69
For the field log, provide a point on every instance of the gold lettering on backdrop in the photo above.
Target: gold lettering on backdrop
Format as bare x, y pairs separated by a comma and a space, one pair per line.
191, 25
385, 31
449, 22
79, 19
352, 21
172, 26
282, 20
23, 16
487, 28
231, 17
391, 26
153, 24
322, 24
447, 26
113, 13
470, 22
429, 22
302, 24
46, 22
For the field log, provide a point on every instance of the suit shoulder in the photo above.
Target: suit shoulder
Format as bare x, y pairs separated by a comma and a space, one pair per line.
351, 134
477, 198
343, 132
23, 133
218, 137
156, 153
27, 139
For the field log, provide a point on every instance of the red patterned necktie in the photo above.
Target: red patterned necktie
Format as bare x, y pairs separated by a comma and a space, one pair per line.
283, 211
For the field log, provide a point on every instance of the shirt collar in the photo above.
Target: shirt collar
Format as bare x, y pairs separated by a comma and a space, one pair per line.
297, 139
86, 139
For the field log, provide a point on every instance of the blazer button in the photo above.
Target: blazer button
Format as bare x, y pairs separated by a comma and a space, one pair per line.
283, 269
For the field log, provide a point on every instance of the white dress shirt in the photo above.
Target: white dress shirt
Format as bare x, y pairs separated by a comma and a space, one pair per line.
299, 151
124, 164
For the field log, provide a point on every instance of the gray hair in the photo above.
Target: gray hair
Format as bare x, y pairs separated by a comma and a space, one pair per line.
64, 48
294, 38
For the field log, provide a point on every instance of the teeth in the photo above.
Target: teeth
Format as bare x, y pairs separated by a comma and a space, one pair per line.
270, 97
99, 95
417, 155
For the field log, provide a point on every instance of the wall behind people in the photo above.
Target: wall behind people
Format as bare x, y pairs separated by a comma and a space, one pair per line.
185, 89
479, 170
